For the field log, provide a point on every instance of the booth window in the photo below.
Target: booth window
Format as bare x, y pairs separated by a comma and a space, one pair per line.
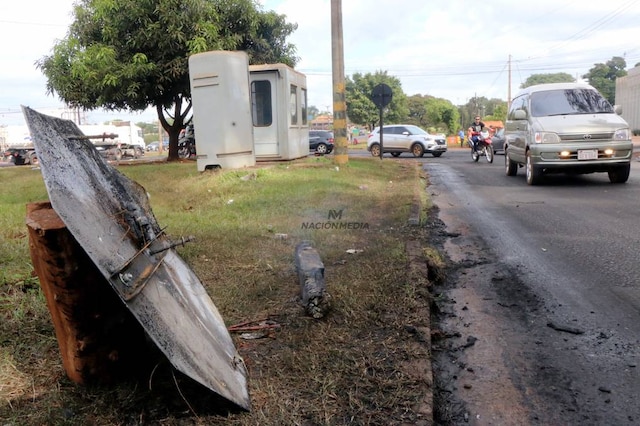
293, 104
303, 105
261, 103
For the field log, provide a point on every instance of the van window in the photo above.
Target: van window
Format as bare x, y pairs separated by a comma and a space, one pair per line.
568, 102
518, 103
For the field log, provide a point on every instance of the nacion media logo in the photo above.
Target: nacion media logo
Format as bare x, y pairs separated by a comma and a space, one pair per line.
335, 221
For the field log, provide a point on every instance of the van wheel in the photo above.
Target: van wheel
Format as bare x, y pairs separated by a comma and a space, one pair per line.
534, 174
619, 174
375, 150
417, 150
510, 167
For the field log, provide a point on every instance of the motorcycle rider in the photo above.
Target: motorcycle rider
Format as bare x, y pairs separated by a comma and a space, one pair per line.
474, 131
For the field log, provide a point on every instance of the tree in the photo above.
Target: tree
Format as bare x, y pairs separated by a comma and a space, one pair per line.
130, 54
313, 112
417, 105
499, 112
437, 114
361, 109
603, 77
559, 77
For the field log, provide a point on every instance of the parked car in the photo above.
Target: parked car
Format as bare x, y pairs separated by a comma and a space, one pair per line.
321, 141
399, 138
497, 140
153, 146
566, 128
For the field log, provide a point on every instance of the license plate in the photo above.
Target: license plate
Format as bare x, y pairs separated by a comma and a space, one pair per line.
587, 154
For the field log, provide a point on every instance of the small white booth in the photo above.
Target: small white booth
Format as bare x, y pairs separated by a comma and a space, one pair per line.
221, 110
279, 112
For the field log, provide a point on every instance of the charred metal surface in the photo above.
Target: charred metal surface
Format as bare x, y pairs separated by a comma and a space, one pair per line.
110, 216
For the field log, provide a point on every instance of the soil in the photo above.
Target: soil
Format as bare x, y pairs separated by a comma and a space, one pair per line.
492, 361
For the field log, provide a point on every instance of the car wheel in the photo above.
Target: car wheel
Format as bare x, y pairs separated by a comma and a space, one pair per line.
396, 154
375, 150
321, 148
436, 154
619, 174
510, 167
534, 174
417, 150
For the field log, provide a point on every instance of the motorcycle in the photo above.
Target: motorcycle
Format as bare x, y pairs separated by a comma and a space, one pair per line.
483, 146
187, 143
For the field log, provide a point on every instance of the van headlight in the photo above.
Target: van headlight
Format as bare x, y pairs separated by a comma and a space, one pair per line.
621, 135
545, 137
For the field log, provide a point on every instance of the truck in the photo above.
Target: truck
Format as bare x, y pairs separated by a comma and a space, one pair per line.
16, 145
114, 141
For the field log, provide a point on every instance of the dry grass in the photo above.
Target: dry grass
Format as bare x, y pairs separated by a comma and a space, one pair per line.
355, 366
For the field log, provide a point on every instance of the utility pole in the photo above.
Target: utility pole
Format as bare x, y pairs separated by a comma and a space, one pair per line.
341, 155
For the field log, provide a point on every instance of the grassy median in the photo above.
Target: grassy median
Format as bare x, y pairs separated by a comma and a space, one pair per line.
358, 365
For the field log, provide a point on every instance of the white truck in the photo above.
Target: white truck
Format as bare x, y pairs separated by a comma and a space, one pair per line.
16, 145
117, 139
114, 141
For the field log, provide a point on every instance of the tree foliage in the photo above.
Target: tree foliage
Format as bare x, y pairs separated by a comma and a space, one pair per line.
435, 114
361, 109
603, 77
559, 77
132, 54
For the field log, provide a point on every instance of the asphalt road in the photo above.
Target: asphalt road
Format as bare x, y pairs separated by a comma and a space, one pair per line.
547, 279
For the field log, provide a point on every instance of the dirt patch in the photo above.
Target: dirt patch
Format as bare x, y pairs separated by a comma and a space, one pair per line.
472, 373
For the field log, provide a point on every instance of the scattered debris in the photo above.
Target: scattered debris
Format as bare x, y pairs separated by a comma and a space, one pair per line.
264, 324
354, 251
281, 236
250, 176
471, 340
564, 328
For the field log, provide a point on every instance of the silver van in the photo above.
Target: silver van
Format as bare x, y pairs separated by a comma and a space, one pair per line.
566, 128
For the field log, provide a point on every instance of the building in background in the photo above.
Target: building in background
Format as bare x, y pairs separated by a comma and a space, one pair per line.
628, 97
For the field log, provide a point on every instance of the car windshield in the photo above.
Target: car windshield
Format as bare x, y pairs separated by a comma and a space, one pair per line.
568, 102
415, 130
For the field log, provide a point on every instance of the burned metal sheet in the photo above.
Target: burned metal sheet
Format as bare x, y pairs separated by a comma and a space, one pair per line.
110, 216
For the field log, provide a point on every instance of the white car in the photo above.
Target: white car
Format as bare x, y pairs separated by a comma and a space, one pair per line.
399, 138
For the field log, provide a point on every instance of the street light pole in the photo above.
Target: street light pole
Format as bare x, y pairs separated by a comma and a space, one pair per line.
341, 155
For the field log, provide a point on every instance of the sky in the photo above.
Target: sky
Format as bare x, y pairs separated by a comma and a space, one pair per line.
451, 49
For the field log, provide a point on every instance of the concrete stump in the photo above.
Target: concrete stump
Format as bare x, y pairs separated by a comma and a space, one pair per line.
310, 270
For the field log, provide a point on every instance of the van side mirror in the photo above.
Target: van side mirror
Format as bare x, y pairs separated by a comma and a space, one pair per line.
519, 114
618, 109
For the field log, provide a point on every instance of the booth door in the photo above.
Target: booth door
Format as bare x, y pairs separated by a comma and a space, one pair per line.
264, 113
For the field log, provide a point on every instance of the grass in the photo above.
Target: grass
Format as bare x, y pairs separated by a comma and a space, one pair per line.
355, 366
